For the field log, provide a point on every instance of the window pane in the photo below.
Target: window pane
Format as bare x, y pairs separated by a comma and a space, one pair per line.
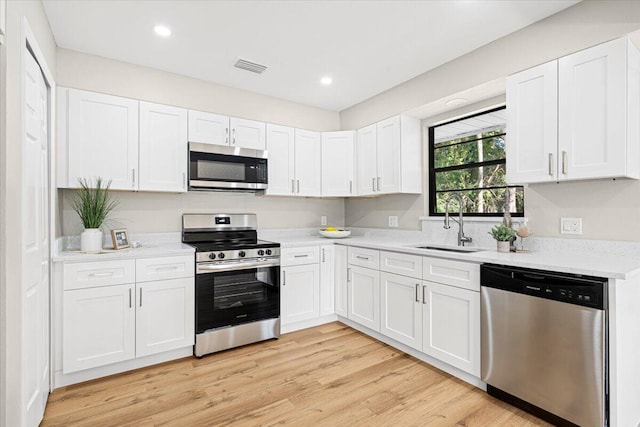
483, 176
484, 201
480, 150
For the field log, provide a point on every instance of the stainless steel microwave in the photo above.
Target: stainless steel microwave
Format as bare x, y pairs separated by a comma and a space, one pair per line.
218, 167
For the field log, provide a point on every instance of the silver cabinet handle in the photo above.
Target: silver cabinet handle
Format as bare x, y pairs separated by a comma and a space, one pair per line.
348, 274
298, 183
322, 254
373, 184
378, 180
293, 186
105, 274
424, 296
350, 187
366, 258
226, 136
129, 297
234, 137
417, 292
133, 178
184, 180
550, 164
284, 276
301, 256
140, 297
564, 162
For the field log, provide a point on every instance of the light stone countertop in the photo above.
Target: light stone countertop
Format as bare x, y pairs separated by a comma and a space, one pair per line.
147, 250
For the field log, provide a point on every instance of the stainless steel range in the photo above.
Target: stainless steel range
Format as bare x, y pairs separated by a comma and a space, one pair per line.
237, 281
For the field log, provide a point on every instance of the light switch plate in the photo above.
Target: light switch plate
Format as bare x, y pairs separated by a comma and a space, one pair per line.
393, 221
323, 220
570, 225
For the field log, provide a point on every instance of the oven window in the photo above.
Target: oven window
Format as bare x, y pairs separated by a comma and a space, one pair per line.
237, 291
221, 171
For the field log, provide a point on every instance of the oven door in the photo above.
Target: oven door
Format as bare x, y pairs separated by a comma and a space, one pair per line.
236, 296
221, 167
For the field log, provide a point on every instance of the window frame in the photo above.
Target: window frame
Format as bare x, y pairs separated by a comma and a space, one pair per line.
433, 171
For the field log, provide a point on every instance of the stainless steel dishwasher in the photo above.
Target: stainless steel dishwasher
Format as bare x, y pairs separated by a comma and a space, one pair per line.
544, 343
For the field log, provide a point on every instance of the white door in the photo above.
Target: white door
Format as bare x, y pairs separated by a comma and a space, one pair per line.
35, 242
401, 309
327, 279
532, 125
247, 133
364, 297
103, 139
165, 316
592, 112
338, 164
452, 326
308, 161
280, 148
299, 293
98, 327
163, 148
208, 128
388, 144
341, 280
367, 164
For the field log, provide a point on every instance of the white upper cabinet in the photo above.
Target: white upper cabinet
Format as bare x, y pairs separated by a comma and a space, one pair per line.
99, 138
597, 122
280, 149
338, 164
307, 163
247, 133
208, 128
163, 148
390, 157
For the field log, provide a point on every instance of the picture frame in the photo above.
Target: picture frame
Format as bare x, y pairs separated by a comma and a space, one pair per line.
120, 238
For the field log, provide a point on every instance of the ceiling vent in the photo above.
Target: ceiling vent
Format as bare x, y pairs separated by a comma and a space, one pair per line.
243, 64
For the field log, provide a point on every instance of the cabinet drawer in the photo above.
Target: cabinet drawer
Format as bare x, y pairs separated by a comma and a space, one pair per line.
299, 256
369, 258
461, 274
175, 267
404, 264
99, 273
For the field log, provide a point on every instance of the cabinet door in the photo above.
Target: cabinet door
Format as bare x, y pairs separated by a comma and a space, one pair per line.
98, 327
280, 148
367, 160
327, 280
307, 163
341, 280
364, 297
532, 125
163, 148
247, 133
401, 309
208, 128
388, 145
451, 328
102, 139
338, 164
299, 293
165, 316
592, 112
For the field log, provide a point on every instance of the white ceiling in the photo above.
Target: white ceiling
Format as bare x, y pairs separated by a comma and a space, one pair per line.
366, 46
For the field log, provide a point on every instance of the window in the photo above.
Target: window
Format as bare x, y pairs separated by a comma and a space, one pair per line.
467, 156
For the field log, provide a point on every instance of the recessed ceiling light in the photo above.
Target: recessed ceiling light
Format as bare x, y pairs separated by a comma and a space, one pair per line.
326, 80
455, 102
161, 30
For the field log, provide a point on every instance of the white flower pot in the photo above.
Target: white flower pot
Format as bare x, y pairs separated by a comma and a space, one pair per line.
504, 246
91, 240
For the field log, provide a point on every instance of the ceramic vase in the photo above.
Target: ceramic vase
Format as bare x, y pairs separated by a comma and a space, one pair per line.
91, 240
504, 246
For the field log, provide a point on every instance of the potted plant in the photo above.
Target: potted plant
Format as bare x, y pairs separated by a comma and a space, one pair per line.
504, 235
92, 204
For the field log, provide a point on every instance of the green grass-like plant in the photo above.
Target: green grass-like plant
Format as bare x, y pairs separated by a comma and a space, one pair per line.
93, 204
502, 233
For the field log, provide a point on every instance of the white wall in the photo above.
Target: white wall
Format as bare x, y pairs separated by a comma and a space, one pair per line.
10, 197
608, 208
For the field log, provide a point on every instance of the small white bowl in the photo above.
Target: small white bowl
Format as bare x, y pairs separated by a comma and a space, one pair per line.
335, 234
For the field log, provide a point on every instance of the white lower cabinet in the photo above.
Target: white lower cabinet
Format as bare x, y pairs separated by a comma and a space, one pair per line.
341, 280
299, 293
364, 297
327, 280
451, 326
401, 309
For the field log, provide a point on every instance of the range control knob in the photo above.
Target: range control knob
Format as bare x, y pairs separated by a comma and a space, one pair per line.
241, 254
212, 255
268, 251
221, 255
260, 252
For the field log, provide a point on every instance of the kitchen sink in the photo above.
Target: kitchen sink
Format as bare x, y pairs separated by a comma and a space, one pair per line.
459, 249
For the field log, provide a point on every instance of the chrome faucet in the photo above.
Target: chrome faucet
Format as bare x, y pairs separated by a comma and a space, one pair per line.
462, 239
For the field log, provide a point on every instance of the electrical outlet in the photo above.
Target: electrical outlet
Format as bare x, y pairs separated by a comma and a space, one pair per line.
323, 220
393, 221
570, 225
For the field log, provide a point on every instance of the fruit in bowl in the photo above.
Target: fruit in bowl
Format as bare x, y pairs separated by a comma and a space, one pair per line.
334, 232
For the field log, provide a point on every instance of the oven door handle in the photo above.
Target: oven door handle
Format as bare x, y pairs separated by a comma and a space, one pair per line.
235, 265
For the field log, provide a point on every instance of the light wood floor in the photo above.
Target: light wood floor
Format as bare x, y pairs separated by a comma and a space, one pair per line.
330, 375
